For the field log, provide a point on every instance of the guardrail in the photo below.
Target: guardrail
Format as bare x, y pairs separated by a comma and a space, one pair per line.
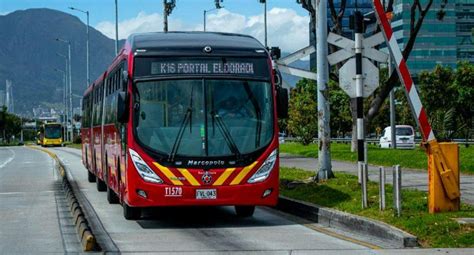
375, 141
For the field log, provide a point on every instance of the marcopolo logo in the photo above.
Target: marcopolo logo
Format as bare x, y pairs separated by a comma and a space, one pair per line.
206, 178
206, 162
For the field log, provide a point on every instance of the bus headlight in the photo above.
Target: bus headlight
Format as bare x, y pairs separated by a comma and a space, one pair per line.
143, 169
264, 171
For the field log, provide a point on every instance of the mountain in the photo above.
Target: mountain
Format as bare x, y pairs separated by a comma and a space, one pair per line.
28, 56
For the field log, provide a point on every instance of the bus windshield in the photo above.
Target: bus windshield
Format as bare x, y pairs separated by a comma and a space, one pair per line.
203, 117
52, 131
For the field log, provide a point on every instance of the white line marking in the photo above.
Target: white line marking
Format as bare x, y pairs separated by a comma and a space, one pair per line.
9, 159
24, 193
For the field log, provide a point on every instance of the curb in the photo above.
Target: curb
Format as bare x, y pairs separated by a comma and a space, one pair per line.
84, 232
347, 222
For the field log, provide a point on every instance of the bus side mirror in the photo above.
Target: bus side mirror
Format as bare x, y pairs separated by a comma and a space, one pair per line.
122, 108
124, 79
282, 103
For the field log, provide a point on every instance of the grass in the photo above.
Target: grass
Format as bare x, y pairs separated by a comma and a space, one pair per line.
74, 145
414, 159
343, 193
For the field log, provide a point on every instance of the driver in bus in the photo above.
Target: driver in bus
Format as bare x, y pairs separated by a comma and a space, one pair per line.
230, 108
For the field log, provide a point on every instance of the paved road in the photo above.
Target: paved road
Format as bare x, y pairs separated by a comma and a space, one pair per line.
33, 213
417, 179
204, 230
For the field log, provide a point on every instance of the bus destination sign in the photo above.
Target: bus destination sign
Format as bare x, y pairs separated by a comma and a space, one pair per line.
182, 66
190, 68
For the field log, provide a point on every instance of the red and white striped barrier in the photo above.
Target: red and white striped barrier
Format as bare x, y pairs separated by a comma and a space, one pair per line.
404, 74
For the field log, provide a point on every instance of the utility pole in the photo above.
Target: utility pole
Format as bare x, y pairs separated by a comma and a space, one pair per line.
324, 134
116, 28
87, 44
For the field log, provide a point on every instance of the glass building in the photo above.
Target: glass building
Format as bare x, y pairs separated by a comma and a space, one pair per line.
444, 41
465, 29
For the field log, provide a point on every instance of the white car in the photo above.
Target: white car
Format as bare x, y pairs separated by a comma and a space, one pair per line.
405, 137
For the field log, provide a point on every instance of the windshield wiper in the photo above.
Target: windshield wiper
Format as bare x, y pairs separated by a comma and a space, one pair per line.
187, 118
258, 112
226, 134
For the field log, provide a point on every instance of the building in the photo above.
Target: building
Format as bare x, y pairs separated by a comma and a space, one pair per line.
440, 41
465, 29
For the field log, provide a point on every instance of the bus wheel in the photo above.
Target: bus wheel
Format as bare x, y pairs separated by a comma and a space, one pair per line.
100, 184
131, 213
112, 196
90, 176
244, 211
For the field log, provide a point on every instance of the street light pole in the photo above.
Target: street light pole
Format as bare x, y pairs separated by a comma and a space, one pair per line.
116, 28
70, 78
64, 95
264, 2
66, 112
168, 6
87, 44
218, 6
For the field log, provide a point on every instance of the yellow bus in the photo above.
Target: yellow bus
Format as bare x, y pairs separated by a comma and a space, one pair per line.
51, 134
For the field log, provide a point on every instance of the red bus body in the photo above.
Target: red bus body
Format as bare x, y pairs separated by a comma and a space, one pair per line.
108, 144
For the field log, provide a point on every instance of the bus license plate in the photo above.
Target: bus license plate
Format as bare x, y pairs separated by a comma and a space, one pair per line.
206, 194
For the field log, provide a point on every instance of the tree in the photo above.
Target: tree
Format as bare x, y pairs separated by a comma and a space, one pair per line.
464, 83
10, 124
341, 119
447, 96
303, 121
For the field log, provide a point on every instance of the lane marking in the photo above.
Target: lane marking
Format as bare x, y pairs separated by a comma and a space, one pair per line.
9, 159
324, 230
26, 192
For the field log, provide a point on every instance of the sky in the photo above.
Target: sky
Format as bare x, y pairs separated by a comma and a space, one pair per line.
287, 20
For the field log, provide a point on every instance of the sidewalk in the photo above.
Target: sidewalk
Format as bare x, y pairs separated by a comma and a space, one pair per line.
417, 179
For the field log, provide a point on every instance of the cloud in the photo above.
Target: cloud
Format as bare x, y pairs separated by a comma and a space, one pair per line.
286, 28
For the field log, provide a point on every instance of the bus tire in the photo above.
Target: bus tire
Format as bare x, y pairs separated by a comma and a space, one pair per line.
112, 197
100, 184
244, 211
131, 213
90, 176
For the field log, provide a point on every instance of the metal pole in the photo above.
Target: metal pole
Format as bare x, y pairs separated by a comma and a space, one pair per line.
324, 156
382, 188
358, 29
87, 46
116, 28
205, 20
397, 190
363, 168
165, 17
265, 18
392, 109
70, 85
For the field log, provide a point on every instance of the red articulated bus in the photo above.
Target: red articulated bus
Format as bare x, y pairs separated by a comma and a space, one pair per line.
185, 119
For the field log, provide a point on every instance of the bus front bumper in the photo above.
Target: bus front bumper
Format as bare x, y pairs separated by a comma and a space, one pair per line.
150, 195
